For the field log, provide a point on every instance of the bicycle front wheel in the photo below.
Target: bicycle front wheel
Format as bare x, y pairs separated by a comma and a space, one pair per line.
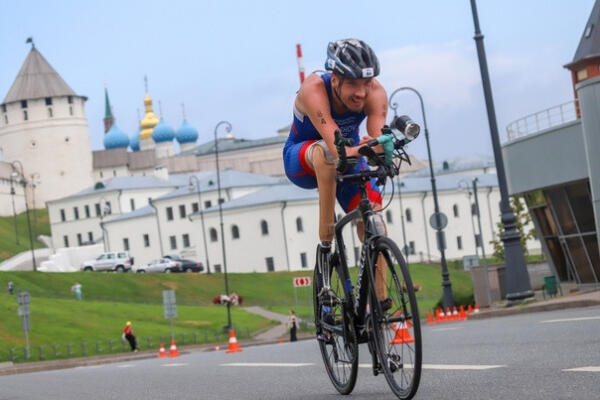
335, 327
396, 326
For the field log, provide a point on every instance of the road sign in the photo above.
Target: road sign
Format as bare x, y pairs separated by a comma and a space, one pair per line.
24, 310
302, 281
470, 262
443, 221
169, 304
23, 298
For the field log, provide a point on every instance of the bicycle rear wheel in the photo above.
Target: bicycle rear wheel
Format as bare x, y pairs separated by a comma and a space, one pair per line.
335, 327
396, 325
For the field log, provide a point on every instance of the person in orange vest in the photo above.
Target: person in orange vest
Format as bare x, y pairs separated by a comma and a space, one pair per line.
129, 336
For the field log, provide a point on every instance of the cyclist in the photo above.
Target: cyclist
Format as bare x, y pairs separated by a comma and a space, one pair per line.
339, 99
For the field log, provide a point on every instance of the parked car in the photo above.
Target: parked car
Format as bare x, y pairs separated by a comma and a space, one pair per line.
186, 265
160, 265
118, 261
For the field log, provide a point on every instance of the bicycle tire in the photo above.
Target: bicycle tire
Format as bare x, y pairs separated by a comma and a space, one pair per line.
397, 331
340, 353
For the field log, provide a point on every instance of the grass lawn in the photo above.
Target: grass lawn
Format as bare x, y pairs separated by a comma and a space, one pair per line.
39, 225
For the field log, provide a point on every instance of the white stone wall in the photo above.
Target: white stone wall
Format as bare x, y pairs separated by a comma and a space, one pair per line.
102, 174
55, 148
134, 230
6, 199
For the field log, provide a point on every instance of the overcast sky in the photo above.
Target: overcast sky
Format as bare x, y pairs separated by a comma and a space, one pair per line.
235, 60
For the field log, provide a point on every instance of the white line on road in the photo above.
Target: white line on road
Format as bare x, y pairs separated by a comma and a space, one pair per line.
266, 364
456, 367
583, 369
568, 320
444, 329
126, 366
174, 365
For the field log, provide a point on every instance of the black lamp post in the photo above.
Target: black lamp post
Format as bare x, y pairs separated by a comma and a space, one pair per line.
197, 187
17, 168
448, 298
12, 195
227, 129
518, 285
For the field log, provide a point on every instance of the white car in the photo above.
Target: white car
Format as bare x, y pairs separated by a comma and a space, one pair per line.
160, 265
118, 261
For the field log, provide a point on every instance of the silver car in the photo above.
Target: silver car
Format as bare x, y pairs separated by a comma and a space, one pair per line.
160, 265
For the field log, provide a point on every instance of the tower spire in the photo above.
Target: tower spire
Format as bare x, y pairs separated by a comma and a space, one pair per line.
183, 110
109, 120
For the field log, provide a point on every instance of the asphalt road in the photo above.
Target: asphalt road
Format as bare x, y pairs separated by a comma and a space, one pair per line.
530, 356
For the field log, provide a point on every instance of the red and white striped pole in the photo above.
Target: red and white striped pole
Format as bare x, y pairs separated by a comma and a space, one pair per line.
300, 62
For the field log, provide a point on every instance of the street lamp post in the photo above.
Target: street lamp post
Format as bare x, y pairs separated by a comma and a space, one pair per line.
191, 187
23, 182
12, 195
518, 286
400, 186
227, 126
448, 298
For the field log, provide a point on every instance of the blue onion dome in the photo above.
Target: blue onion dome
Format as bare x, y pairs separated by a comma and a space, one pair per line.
187, 133
134, 142
115, 138
163, 132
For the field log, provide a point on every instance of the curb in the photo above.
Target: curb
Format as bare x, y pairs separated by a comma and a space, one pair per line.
533, 308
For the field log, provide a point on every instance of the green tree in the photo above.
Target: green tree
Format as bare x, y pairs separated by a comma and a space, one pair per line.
522, 219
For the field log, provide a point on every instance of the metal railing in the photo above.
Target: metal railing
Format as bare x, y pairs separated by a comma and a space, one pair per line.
541, 120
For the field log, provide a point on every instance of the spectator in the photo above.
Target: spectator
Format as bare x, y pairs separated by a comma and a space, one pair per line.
130, 337
11, 287
293, 325
76, 288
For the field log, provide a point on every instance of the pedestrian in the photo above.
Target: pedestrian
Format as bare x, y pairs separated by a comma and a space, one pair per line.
11, 287
76, 288
293, 325
130, 337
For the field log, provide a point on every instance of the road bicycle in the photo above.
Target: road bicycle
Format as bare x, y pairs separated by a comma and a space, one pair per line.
347, 314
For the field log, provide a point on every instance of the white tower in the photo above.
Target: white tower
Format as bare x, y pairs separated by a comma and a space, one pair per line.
43, 125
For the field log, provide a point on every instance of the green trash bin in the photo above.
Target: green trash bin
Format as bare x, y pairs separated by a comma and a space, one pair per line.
550, 286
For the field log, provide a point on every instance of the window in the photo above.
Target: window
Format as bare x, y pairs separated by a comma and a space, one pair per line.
473, 209
221, 200
101, 174
217, 268
182, 211
48, 101
411, 247
582, 74
235, 232
97, 207
303, 262
114, 173
79, 239
86, 208
207, 204
169, 213
3, 107
107, 208
195, 207
70, 99
62, 216
6, 119
455, 210
70, 110
213, 234
66, 241
90, 237
264, 227
173, 242
125, 244
388, 216
270, 264
23, 103
146, 240
299, 226
132, 204
186, 240
445, 166
25, 116
50, 115
408, 215
76, 212
459, 242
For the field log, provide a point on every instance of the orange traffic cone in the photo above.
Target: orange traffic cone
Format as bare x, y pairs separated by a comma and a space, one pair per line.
462, 315
430, 320
233, 343
476, 309
161, 351
280, 340
173, 352
469, 309
441, 317
402, 335
454, 314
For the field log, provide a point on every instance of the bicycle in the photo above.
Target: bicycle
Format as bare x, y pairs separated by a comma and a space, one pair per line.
346, 316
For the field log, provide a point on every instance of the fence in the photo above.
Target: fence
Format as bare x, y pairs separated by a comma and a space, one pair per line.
112, 346
541, 120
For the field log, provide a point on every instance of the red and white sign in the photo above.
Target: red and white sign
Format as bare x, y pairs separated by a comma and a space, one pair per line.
302, 281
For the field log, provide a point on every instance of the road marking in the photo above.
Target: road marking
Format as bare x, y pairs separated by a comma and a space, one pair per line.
126, 366
454, 367
174, 365
444, 329
266, 364
568, 320
583, 369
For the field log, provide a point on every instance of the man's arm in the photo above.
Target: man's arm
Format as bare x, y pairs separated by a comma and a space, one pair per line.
376, 109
